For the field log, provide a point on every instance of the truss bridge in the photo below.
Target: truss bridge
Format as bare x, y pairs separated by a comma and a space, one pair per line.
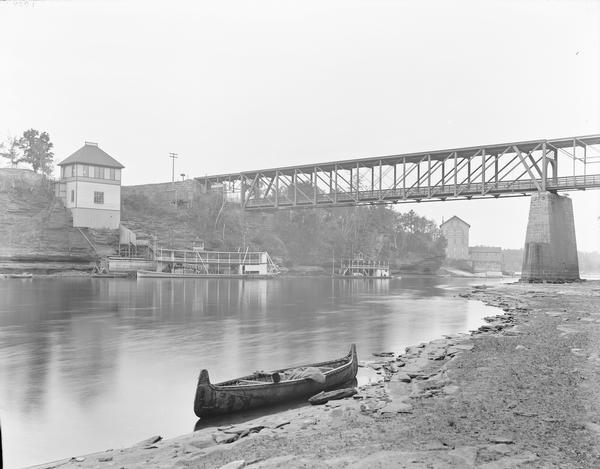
499, 170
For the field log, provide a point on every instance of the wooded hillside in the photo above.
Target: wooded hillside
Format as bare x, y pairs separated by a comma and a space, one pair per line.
294, 237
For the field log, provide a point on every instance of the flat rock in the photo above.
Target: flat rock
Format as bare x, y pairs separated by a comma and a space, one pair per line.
324, 396
276, 424
592, 427
149, 441
234, 464
222, 438
241, 429
392, 368
403, 377
510, 461
464, 455
435, 445
464, 346
501, 439
396, 408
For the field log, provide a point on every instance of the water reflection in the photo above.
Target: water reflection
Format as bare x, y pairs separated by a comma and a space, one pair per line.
87, 364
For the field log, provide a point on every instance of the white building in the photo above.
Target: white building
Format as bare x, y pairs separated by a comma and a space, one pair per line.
90, 186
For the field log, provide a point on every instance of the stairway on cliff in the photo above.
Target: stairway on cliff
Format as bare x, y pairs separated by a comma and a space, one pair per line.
178, 234
104, 242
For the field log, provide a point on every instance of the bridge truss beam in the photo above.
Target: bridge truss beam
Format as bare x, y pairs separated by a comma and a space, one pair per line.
502, 170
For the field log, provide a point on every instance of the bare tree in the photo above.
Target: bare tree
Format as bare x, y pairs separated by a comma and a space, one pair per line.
11, 151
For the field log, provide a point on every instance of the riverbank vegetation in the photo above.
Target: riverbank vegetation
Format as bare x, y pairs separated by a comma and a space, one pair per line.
308, 237
33, 148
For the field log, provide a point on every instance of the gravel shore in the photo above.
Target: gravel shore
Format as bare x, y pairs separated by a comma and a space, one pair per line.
522, 391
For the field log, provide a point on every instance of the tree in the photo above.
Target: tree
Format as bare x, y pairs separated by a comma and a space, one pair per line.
37, 151
10, 151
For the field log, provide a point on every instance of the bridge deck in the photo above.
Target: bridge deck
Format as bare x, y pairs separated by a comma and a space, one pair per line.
500, 170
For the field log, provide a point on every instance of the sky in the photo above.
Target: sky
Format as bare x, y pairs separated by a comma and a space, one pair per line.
236, 85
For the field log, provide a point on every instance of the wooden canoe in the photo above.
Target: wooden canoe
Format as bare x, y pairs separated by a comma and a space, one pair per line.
259, 390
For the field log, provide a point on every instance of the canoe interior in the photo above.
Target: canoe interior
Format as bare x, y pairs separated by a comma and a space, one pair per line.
265, 378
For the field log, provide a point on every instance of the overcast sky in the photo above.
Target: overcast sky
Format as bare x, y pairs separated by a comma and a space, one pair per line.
234, 86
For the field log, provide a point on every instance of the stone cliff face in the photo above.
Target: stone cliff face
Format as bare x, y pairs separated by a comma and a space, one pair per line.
34, 224
163, 212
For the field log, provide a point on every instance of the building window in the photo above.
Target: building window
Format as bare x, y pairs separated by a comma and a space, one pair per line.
72, 195
73, 170
98, 197
98, 172
112, 174
86, 170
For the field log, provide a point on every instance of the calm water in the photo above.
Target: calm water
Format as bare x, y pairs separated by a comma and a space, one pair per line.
91, 364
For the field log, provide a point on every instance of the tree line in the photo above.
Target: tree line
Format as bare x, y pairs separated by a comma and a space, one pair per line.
33, 147
311, 236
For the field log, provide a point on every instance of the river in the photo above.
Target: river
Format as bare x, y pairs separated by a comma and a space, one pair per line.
90, 364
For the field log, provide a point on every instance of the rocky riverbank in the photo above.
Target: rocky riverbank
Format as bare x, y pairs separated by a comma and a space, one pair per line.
522, 391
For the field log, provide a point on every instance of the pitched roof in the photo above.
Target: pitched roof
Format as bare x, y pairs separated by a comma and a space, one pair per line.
459, 219
90, 153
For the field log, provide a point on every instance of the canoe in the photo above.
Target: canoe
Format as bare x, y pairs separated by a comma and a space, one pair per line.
261, 389
152, 274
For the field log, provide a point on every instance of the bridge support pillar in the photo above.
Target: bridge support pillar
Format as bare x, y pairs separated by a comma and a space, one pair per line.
550, 246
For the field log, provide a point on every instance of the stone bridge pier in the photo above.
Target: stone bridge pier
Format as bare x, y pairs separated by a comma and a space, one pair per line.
550, 253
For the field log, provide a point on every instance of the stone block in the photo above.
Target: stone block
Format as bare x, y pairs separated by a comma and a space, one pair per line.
550, 253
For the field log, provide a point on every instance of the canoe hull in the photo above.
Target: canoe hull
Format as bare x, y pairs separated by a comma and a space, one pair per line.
217, 399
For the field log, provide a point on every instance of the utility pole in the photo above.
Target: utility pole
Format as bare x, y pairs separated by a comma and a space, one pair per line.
173, 156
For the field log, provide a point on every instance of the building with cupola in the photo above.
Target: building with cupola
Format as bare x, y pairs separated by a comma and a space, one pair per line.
90, 186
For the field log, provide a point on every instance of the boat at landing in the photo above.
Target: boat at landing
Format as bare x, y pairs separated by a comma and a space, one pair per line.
359, 267
152, 274
23, 275
262, 389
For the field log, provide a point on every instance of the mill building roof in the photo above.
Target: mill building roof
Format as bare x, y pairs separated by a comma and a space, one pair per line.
91, 153
457, 218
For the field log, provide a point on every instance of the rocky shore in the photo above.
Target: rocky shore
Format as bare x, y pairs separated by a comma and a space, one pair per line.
522, 391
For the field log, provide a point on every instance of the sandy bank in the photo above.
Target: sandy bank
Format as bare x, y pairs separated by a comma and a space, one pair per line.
520, 392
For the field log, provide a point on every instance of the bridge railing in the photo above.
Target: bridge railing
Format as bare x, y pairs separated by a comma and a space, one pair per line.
488, 189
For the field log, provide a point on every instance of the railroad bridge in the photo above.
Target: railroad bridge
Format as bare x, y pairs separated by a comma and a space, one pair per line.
539, 168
